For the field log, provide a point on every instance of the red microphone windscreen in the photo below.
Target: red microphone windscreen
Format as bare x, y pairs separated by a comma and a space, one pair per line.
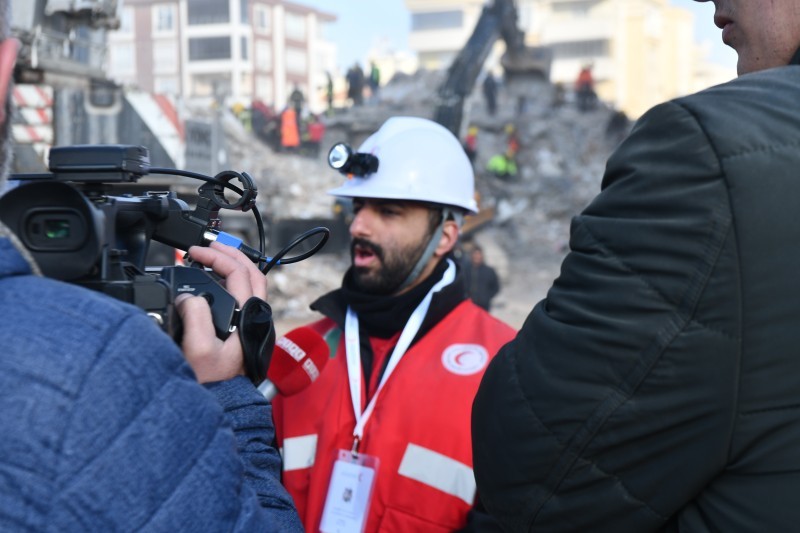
297, 360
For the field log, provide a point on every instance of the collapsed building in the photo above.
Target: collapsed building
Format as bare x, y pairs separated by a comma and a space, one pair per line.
524, 225
557, 160
63, 98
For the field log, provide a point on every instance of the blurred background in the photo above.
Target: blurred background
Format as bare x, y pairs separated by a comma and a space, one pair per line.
539, 91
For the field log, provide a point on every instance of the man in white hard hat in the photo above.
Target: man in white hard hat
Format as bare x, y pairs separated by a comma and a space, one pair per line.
382, 439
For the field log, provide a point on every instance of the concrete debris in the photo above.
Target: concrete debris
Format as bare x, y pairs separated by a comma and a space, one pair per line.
560, 160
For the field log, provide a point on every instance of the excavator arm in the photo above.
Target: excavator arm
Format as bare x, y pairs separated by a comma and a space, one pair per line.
497, 20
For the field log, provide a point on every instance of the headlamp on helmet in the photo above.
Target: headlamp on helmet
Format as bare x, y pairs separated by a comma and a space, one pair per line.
342, 158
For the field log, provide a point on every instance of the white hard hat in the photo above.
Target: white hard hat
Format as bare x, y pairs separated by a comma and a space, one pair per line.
418, 160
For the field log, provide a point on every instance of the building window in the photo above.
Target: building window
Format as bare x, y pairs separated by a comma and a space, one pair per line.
211, 85
247, 84
165, 85
296, 60
209, 48
208, 12
245, 49
123, 58
580, 49
262, 16
126, 20
163, 18
295, 27
81, 50
244, 11
165, 56
263, 55
437, 20
264, 91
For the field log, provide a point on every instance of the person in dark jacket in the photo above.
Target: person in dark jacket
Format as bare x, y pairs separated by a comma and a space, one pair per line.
105, 426
481, 281
489, 88
355, 84
657, 387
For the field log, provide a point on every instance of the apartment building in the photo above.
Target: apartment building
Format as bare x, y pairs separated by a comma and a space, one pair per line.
642, 51
242, 50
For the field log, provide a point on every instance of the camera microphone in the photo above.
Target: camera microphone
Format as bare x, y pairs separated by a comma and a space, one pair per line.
297, 360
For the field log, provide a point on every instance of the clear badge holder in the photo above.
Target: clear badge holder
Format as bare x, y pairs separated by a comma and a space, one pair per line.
349, 493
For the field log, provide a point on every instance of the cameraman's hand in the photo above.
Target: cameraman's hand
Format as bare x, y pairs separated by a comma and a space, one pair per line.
211, 358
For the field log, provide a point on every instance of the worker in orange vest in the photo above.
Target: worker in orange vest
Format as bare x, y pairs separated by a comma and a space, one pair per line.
290, 136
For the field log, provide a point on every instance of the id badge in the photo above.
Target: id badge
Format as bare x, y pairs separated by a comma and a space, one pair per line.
349, 493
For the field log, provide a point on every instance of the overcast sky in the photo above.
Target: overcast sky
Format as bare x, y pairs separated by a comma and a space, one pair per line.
364, 24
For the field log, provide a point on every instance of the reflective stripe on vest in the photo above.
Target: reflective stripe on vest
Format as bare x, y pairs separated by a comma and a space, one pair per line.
438, 471
299, 452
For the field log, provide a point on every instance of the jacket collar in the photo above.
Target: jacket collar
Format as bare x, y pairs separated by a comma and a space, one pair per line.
334, 305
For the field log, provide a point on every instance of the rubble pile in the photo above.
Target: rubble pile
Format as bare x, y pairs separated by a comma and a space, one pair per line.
561, 158
290, 187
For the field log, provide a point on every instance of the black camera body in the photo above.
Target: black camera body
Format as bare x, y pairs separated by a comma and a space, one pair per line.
79, 232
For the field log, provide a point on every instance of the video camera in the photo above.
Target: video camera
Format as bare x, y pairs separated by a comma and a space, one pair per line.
78, 232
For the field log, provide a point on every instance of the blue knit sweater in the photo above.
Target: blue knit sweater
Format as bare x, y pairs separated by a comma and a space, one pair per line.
104, 427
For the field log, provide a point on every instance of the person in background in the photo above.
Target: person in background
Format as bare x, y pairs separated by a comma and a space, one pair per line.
329, 92
374, 81
512, 140
471, 143
657, 386
297, 100
489, 88
106, 427
315, 132
584, 89
503, 165
482, 283
391, 409
355, 84
290, 133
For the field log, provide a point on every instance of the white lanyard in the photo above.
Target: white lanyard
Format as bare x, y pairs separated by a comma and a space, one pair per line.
353, 351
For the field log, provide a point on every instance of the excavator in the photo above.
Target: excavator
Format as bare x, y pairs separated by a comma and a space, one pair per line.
522, 65
520, 62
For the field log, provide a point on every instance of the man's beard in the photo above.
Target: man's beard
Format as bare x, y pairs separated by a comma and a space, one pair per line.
394, 268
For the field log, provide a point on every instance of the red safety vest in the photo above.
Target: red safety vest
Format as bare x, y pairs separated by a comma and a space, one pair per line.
420, 428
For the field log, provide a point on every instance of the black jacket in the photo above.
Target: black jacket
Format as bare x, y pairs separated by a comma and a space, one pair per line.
658, 384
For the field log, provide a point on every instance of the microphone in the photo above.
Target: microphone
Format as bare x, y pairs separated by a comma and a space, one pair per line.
297, 360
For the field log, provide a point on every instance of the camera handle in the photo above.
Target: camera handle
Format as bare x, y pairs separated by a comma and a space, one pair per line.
253, 321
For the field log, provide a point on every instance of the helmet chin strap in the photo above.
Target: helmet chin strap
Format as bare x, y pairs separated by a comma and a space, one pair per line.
447, 213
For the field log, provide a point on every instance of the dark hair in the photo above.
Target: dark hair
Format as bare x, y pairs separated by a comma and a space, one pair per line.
434, 217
